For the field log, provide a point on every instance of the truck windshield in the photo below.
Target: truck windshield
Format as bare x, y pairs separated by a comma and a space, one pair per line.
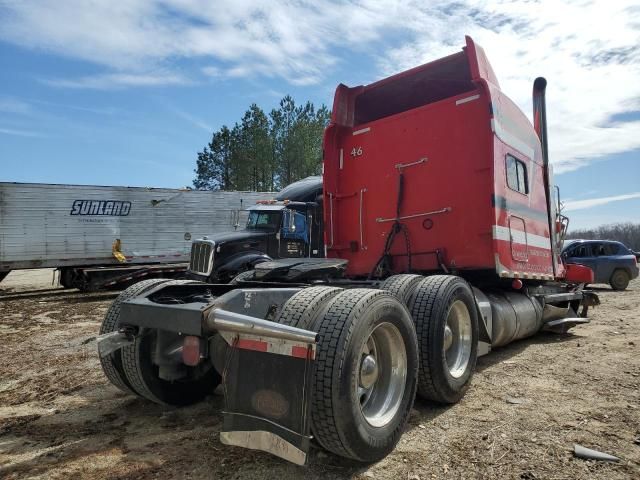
263, 220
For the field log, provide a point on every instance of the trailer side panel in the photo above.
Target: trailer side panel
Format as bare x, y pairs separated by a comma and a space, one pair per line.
44, 225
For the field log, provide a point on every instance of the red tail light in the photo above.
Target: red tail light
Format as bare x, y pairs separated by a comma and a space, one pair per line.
191, 350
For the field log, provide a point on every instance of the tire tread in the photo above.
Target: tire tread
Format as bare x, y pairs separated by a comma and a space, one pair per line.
300, 310
427, 302
402, 286
111, 366
334, 325
131, 356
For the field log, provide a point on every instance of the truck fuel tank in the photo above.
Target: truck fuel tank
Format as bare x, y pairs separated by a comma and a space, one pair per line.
514, 316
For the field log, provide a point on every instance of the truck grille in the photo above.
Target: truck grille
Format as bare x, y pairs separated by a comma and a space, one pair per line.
201, 261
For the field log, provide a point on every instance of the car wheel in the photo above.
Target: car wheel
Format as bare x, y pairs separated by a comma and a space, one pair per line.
619, 280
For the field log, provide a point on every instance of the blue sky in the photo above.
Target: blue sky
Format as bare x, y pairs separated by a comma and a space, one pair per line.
126, 93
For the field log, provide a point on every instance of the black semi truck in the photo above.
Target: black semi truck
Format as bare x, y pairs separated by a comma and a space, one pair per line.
289, 226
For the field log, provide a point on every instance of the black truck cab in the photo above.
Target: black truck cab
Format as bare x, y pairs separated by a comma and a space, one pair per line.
289, 226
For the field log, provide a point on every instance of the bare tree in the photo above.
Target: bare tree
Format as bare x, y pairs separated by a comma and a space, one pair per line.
627, 233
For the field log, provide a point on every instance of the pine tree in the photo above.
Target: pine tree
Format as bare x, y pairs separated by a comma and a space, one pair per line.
264, 153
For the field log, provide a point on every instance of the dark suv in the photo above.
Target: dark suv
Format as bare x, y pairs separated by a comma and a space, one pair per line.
611, 262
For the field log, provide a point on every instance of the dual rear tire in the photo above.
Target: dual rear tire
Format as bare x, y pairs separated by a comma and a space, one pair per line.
366, 368
377, 349
446, 322
132, 370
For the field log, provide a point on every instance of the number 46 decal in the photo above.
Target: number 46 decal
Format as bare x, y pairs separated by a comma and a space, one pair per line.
356, 152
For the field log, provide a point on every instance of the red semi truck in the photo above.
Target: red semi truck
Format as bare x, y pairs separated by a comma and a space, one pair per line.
443, 238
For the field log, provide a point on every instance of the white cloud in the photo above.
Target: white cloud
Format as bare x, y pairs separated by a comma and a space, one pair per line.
192, 119
572, 205
211, 71
14, 106
20, 133
589, 50
119, 80
80, 108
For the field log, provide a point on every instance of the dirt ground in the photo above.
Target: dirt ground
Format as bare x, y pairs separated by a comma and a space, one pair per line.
528, 405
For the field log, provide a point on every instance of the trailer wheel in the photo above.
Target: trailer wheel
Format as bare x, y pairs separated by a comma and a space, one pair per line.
366, 372
242, 276
112, 364
302, 308
402, 286
143, 378
619, 280
69, 278
4, 274
446, 322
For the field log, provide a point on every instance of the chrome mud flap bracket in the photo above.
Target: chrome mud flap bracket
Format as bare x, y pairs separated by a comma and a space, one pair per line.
267, 385
485, 324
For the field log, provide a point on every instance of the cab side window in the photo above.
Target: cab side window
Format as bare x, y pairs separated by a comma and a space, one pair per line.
517, 178
299, 222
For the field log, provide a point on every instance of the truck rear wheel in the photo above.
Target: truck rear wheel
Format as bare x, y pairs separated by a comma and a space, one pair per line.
619, 280
112, 363
402, 286
143, 378
302, 309
366, 371
446, 320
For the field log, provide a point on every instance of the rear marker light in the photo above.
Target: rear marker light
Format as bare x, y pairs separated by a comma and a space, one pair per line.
191, 350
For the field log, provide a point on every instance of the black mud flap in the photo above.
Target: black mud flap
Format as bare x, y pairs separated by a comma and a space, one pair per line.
267, 389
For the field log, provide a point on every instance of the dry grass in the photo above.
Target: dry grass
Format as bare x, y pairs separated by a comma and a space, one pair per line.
59, 418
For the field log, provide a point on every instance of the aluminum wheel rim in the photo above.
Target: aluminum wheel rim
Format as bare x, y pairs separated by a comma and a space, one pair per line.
382, 375
457, 339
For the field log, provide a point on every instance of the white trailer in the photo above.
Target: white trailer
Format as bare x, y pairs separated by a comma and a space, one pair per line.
97, 234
